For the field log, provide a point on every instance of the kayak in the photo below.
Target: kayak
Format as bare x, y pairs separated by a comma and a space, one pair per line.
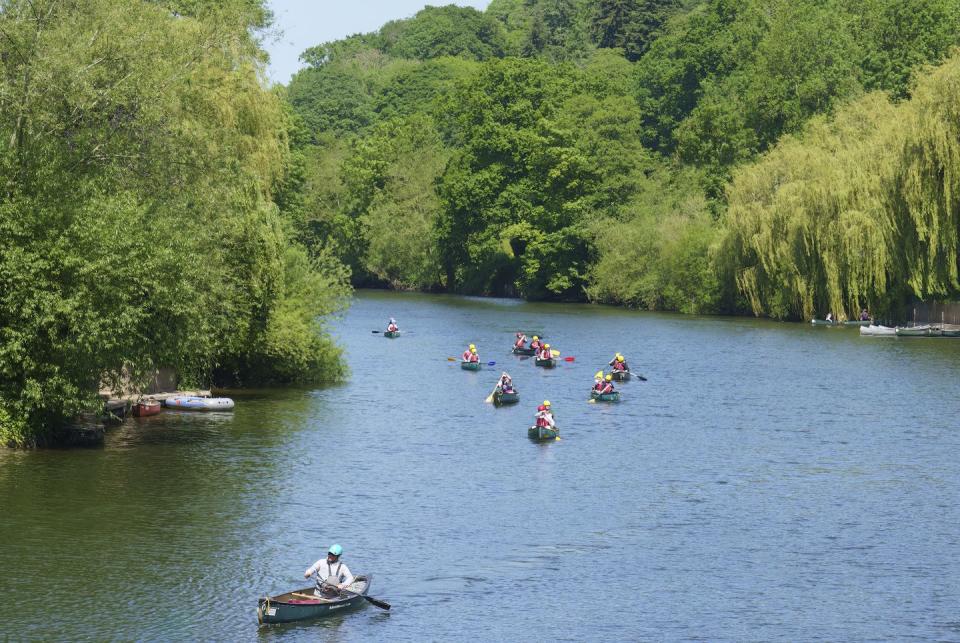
546, 363
301, 604
186, 403
542, 433
529, 352
500, 398
470, 366
620, 376
143, 409
605, 397
878, 331
390, 334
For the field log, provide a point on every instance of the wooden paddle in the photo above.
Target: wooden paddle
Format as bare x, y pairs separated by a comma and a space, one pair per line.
370, 599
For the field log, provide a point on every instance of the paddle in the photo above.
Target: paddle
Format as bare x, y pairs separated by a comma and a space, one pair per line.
375, 331
370, 599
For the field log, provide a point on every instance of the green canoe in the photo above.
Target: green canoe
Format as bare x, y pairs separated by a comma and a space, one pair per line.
822, 322
605, 397
500, 398
529, 352
620, 376
470, 366
542, 433
546, 363
925, 330
301, 604
391, 333
857, 322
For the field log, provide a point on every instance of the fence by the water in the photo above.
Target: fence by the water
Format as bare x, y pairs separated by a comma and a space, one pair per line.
932, 313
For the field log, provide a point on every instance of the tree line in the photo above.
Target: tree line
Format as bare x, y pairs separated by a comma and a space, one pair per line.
663, 154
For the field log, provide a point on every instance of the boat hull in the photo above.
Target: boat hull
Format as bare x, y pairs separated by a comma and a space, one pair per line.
470, 366
546, 363
505, 398
917, 331
606, 397
857, 322
287, 608
529, 352
144, 409
199, 403
542, 433
878, 331
391, 334
620, 376
822, 322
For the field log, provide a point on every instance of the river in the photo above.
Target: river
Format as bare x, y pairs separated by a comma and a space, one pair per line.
770, 481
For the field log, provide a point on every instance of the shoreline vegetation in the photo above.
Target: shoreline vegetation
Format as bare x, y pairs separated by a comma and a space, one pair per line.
162, 207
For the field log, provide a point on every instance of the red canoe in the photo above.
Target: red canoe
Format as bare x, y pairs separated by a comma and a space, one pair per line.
144, 409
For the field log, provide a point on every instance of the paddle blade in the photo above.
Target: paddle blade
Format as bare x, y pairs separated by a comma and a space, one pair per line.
491, 363
569, 358
489, 399
451, 359
641, 378
554, 352
598, 375
381, 604
591, 401
374, 331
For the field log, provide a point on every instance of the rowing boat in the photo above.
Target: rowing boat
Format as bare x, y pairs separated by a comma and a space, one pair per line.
470, 366
620, 376
546, 363
500, 398
302, 604
878, 331
605, 397
529, 352
543, 433
390, 334
926, 330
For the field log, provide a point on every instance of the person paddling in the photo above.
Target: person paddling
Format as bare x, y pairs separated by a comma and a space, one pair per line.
544, 417
536, 344
544, 352
607, 385
392, 326
521, 340
470, 355
864, 315
506, 383
598, 382
619, 363
332, 575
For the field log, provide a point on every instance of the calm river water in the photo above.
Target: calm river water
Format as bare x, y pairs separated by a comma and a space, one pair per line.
769, 482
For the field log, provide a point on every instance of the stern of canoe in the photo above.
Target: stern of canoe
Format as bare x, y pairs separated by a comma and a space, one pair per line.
546, 363
542, 433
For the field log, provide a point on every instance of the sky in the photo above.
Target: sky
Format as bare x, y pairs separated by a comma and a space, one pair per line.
304, 23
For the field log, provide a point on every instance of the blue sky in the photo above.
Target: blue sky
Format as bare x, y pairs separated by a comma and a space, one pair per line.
305, 23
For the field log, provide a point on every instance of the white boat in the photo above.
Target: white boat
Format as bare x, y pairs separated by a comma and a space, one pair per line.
878, 331
190, 403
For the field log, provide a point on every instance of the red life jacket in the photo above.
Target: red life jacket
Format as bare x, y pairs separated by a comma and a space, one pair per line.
619, 366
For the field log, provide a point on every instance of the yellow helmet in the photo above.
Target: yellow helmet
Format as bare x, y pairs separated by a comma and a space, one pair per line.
473, 350
472, 346
609, 377
546, 345
535, 337
546, 402
619, 358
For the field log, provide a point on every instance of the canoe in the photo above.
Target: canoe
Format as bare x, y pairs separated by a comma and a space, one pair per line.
143, 409
857, 322
529, 352
950, 330
925, 330
878, 331
822, 322
620, 376
546, 363
301, 604
185, 403
470, 366
542, 433
505, 398
390, 334
605, 397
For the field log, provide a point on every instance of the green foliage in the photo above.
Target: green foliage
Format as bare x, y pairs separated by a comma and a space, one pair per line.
139, 152
630, 25
445, 31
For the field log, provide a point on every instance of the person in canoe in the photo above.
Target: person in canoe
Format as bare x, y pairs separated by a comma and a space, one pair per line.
332, 575
505, 384
521, 340
536, 344
470, 355
619, 363
864, 315
544, 417
607, 385
392, 326
544, 352
829, 317
598, 382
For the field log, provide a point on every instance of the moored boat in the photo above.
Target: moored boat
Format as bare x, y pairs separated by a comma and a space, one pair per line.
390, 334
529, 352
858, 322
546, 363
620, 376
470, 366
822, 322
188, 403
605, 397
543, 433
302, 604
878, 331
500, 398
146, 407
924, 330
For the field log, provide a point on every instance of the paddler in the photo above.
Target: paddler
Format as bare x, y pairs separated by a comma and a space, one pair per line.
535, 344
506, 383
332, 575
521, 340
607, 385
392, 326
619, 363
544, 352
470, 355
